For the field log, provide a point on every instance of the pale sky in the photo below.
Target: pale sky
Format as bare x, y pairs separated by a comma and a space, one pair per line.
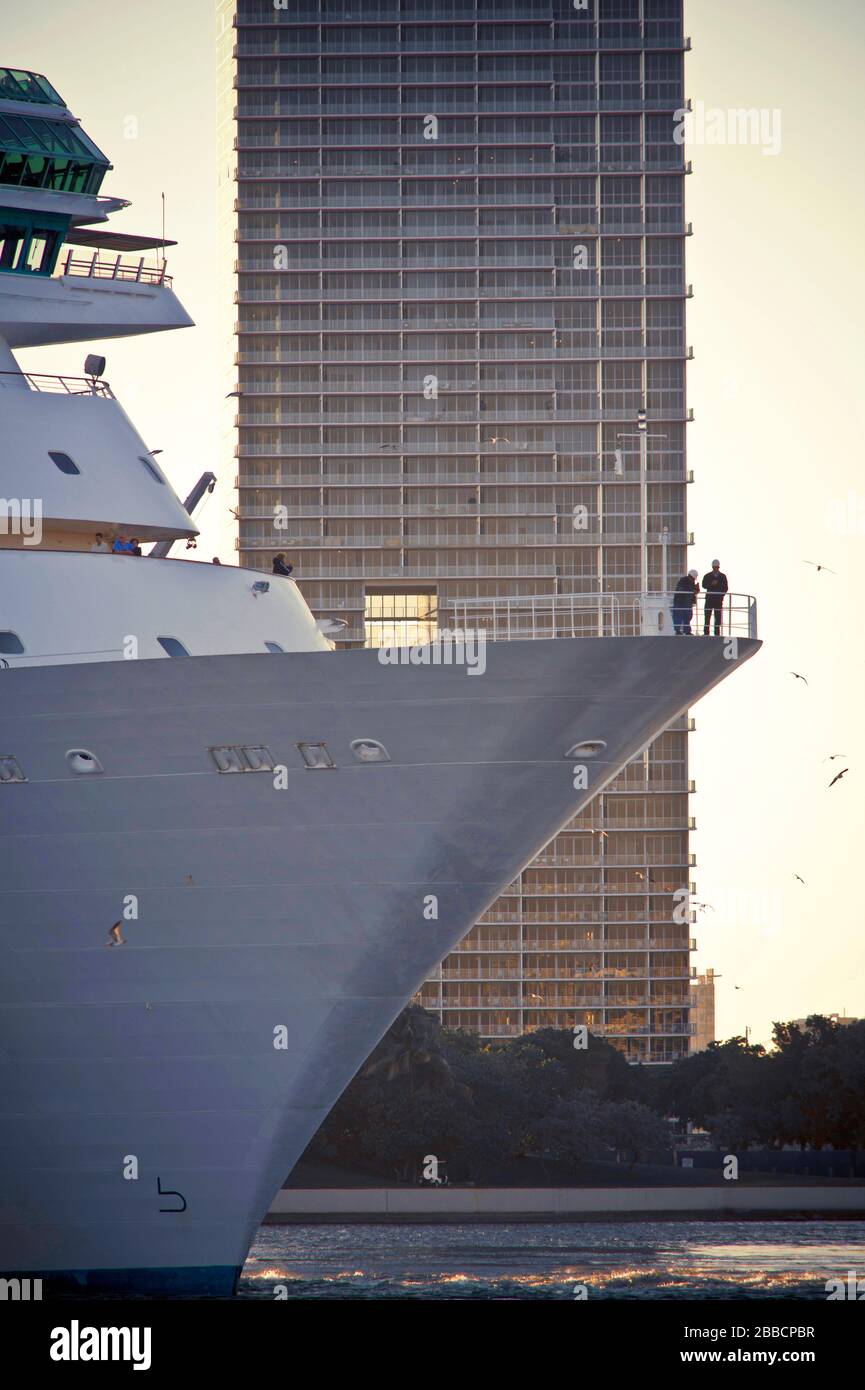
776, 325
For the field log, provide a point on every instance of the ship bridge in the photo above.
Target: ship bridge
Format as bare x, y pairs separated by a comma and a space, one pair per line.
82, 282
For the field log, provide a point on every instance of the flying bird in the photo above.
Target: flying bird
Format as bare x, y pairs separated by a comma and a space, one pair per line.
832, 756
817, 567
798, 677
838, 776
801, 880
705, 905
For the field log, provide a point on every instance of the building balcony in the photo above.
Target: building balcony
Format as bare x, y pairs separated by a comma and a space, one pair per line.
408, 448
509, 540
494, 417
551, 352
467, 479
419, 573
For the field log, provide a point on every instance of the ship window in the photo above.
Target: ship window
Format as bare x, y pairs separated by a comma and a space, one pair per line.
39, 251
10, 769
274, 647
11, 644
63, 461
172, 647
152, 470
11, 242
316, 756
369, 750
80, 760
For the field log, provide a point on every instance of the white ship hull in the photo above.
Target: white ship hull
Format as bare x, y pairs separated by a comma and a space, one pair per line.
258, 910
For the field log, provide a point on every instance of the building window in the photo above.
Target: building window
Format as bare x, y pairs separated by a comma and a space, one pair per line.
400, 618
172, 647
64, 462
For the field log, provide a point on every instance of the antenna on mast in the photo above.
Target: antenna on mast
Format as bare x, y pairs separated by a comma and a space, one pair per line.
162, 196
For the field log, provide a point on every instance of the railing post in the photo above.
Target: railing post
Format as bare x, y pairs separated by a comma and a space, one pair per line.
116, 268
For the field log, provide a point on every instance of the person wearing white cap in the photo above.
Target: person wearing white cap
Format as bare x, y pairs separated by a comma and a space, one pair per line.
684, 598
715, 585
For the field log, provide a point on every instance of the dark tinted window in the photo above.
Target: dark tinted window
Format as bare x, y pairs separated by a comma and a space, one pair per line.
172, 646
64, 462
11, 644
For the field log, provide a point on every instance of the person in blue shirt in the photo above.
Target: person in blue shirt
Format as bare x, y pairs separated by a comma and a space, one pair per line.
122, 546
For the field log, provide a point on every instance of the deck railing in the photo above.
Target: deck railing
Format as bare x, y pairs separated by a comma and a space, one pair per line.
590, 615
113, 268
62, 385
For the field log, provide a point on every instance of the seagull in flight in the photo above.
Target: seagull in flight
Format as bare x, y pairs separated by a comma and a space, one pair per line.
832, 756
817, 567
838, 776
798, 677
801, 880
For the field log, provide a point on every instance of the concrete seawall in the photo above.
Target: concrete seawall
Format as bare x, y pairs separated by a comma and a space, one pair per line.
729, 1201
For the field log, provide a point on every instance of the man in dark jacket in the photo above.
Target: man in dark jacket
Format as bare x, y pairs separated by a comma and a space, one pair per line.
715, 585
684, 598
280, 566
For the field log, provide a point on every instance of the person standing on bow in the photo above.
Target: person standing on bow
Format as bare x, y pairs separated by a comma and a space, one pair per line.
684, 599
715, 585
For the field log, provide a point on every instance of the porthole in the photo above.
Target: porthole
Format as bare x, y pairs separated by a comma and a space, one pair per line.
63, 462
152, 469
369, 750
172, 647
10, 769
589, 748
11, 644
315, 756
82, 761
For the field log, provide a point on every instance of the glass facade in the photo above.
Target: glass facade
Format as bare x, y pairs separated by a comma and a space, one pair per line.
459, 254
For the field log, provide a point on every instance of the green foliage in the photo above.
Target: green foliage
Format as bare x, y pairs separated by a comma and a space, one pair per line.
482, 1107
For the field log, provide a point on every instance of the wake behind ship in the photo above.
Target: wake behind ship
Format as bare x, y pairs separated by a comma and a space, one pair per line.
229, 854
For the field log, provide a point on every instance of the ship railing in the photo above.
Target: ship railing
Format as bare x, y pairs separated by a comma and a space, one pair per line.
539, 616
62, 385
114, 268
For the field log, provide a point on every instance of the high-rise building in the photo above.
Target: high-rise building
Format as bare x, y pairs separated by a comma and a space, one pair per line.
459, 272
703, 1011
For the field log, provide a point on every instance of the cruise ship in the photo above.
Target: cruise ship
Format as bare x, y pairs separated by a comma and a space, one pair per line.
229, 853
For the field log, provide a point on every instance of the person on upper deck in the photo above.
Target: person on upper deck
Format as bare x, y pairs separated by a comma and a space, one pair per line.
280, 566
100, 545
122, 546
716, 586
684, 599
